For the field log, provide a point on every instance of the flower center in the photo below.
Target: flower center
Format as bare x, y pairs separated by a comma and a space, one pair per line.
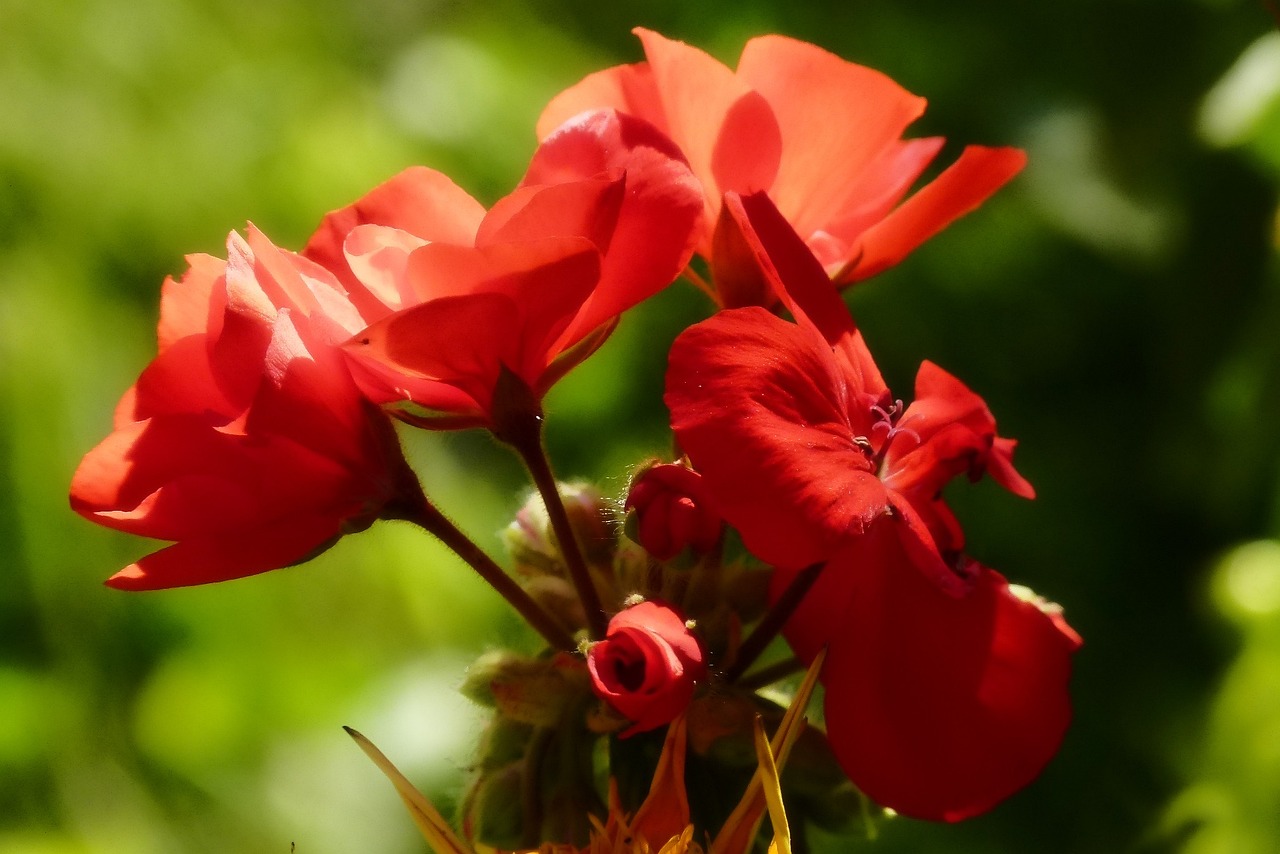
876, 446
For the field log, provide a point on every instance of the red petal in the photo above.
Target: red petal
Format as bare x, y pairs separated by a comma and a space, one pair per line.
961, 188
203, 561
942, 707
760, 406
185, 303
626, 88
421, 201
836, 118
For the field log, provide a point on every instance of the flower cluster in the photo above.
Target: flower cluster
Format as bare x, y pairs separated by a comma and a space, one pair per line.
263, 431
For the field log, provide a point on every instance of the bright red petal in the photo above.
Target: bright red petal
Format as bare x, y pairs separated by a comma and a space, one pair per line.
961, 188
761, 408
942, 707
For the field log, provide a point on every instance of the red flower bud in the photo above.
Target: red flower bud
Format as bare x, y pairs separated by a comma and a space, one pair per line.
671, 512
647, 665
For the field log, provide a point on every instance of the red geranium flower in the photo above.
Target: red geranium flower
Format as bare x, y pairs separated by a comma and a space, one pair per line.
464, 299
245, 440
647, 666
822, 136
946, 691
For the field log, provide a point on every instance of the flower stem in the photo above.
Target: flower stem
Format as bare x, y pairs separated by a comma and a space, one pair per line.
517, 421
533, 453
767, 629
771, 673
430, 519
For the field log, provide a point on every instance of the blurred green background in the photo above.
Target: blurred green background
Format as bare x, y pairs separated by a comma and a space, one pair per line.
1118, 306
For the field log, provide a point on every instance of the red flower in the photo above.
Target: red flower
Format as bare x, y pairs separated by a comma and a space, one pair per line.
245, 440
797, 436
946, 692
603, 220
820, 135
672, 511
647, 666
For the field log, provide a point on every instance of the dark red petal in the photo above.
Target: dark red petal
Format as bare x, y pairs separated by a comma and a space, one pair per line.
760, 406
222, 558
941, 707
961, 188
946, 431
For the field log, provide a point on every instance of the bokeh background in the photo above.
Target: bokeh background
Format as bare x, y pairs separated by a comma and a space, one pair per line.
1118, 306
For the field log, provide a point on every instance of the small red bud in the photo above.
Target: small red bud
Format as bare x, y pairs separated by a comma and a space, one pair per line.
647, 666
671, 512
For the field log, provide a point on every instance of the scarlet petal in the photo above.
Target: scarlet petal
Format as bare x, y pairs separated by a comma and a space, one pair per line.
627, 88
760, 406
961, 188
941, 707
835, 117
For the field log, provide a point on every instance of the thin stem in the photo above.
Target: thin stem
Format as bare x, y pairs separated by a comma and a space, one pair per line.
767, 629
426, 516
528, 444
771, 673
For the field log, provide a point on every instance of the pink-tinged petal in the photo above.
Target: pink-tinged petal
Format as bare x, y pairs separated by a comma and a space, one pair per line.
420, 201
836, 118
626, 88
297, 283
941, 707
593, 143
760, 407
222, 558
378, 255
308, 395
961, 188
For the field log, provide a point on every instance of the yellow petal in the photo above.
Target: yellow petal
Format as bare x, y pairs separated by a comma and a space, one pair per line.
772, 784
740, 829
435, 829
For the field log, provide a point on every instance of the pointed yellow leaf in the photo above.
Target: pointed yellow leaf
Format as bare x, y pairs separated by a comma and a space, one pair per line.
772, 783
740, 829
435, 829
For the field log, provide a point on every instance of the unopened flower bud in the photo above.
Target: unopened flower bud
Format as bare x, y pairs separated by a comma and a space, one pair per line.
533, 691
531, 541
668, 512
647, 666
